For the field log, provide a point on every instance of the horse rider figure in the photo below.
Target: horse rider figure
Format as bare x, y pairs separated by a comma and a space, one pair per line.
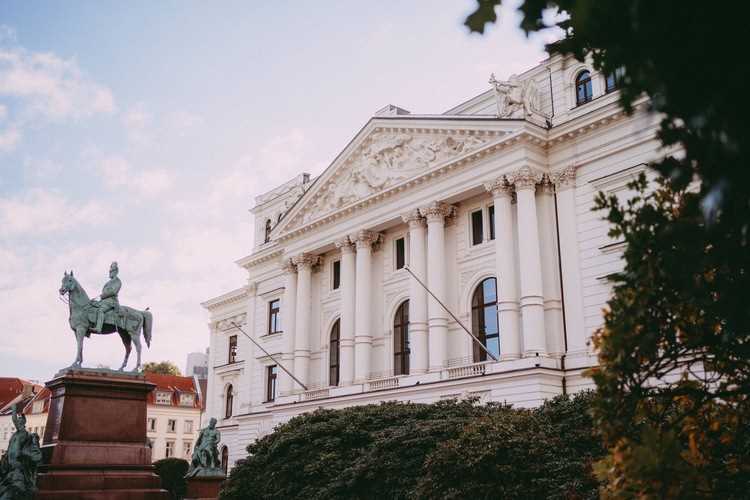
108, 299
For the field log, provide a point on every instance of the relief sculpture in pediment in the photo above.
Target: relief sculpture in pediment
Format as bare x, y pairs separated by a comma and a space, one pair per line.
386, 159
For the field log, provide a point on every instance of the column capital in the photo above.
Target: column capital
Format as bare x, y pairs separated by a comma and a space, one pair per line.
500, 188
525, 178
345, 245
365, 239
547, 187
288, 266
437, 211
564, 178
413, 218
305, 260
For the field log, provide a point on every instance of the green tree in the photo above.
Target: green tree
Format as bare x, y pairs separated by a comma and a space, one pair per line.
448, 449
161, 368
172, 472
679, 313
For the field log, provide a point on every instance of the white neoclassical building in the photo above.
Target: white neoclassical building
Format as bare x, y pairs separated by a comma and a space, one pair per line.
489, 204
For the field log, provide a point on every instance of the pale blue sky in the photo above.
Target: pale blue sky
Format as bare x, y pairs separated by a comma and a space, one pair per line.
141, 131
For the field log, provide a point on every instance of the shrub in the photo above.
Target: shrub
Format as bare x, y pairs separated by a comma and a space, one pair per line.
172, 472
450, 449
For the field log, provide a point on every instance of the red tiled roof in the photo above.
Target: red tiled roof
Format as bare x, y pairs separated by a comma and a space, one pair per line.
175, 384
11, 387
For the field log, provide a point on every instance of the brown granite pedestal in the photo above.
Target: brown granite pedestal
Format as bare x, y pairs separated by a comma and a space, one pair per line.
95, 445
204, 488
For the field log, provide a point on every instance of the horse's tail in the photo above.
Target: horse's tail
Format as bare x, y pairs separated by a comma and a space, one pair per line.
147, 323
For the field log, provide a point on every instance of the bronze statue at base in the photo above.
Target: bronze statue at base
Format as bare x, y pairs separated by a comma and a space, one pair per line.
18, 466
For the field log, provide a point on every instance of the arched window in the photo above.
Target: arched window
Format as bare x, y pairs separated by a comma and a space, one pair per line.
484, 319
229, 403
401, 340
583, 88
224, 459
333, 354
267, 235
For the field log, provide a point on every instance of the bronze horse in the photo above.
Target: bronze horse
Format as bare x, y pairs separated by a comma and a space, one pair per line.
126, 321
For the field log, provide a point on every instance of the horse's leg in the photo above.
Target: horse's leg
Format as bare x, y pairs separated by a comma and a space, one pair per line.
126, 342
136, 337
80, 335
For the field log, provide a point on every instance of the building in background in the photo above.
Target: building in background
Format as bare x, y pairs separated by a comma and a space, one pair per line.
14, 391
489, 204
173, 415
197, 365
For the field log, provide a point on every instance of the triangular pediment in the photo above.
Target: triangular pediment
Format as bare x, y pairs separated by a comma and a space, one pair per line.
382, 157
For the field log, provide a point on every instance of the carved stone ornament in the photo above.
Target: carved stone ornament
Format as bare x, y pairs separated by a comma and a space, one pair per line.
499, 187
515, 98
437, 211
345, 245
414, 219
525, 178
304, 260
387, 158
366, 239
288, 266
564, 178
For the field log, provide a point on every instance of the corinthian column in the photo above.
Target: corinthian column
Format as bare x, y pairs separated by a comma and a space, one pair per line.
507, 291
417, 294
304, 263
553, 316
565, 183
362, 323
288, 314
529, 256
346, 342
436, 265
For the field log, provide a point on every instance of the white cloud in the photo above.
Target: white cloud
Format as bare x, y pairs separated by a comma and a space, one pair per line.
180, 122
38, 212
137, 122
117, 173
41, 169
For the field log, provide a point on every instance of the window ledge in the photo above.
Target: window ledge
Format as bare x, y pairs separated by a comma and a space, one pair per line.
271, 334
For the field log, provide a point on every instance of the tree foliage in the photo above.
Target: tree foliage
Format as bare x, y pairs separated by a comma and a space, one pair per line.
679, 315
161, 368
448, 449
172, 472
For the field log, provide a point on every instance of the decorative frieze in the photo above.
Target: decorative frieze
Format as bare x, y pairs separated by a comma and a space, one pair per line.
227, 324
564, 178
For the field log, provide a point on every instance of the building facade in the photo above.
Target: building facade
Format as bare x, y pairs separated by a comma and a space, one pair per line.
488, 205
18, 392
173, 416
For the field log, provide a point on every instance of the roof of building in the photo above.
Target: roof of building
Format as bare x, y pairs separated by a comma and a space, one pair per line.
174, 384
43, 395
13, 387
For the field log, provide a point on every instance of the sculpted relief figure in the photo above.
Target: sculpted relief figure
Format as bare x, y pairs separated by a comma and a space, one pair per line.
206, 460
19, 464
105, 316
515, 99
388, 159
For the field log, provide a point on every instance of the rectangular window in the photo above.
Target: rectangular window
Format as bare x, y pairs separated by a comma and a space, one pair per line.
273, 316
336, 274
188, 426
171, 425
400, 253
152, 424
232, 358
163, 398
477, 228
169, 449
271, 383
187, 399
187, 448
491, 213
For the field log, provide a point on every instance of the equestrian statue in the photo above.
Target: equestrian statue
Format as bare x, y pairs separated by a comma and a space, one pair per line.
105, 316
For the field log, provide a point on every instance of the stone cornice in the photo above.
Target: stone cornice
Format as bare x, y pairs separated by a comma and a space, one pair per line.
226, 299
259, 257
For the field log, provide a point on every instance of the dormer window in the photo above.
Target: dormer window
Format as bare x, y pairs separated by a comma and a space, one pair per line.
38, 407
187, 399
163, 398
267, 234
584, 92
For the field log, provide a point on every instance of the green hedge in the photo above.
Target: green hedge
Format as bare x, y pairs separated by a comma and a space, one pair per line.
450, 449
172, 472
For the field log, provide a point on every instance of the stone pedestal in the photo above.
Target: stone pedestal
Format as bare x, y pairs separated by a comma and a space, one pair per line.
95, 444
204, 488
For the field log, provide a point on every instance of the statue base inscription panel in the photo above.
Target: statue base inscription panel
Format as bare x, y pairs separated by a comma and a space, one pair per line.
95, 444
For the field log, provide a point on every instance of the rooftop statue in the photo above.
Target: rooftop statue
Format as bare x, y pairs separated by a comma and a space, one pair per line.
105, 316
515, 99
206, 460
19, 464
